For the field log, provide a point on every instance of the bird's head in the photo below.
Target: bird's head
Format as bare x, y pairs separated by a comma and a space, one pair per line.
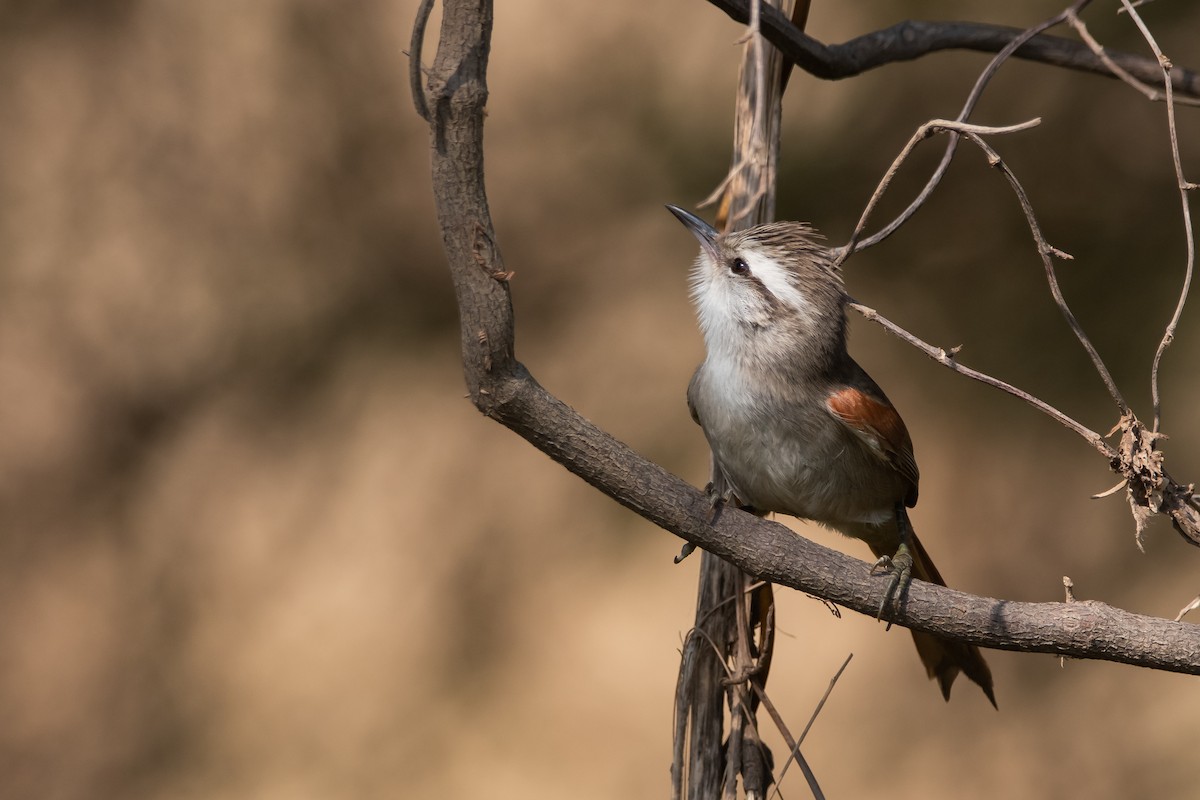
772, 289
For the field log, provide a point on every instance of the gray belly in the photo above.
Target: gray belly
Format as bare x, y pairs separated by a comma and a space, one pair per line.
820, 472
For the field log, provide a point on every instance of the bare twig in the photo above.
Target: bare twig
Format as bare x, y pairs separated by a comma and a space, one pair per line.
1047, 254
1192, 606
1117, 70
981, 83
1121, 484
821, 703
794, 744
1149, 488
948, 360
1184, 187
1045, 251
736, 680
1135, 5
922, 133
1069, 592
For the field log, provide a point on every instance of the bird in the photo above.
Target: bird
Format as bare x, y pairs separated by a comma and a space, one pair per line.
794, 424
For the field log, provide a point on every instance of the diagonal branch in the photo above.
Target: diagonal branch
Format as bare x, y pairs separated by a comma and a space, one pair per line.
906, 41
504, 390
947, 358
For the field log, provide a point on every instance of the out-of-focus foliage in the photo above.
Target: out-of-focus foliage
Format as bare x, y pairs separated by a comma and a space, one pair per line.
253, 543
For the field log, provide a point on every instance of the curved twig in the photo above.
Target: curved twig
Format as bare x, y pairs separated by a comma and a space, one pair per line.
1184, 187
972, 100
1045, 251
922, 133
1120, 72
1048, 253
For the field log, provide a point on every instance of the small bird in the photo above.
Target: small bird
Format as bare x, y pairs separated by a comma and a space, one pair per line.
795, 425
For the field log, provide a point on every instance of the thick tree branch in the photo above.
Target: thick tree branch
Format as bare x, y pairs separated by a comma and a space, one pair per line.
503, 390
906, 41
775, 553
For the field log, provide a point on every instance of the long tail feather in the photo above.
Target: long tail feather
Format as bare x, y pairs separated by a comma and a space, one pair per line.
943, 658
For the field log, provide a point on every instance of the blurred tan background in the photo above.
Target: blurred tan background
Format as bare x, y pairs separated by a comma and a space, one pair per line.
255, 543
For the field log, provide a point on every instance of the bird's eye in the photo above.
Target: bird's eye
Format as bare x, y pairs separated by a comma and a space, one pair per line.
738, 266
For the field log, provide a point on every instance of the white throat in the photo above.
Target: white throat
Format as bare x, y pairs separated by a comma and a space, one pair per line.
737, 321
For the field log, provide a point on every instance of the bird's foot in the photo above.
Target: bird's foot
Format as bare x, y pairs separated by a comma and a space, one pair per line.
900, 566
717, 500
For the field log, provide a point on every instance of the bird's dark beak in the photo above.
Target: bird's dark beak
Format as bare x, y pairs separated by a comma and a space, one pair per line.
706, 233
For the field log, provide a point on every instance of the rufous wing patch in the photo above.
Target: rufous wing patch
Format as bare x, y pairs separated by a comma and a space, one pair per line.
879, 425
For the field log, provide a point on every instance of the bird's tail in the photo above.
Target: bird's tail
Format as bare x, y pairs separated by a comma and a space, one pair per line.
943, 658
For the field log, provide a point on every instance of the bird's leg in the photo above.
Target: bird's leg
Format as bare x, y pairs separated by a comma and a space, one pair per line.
900, 564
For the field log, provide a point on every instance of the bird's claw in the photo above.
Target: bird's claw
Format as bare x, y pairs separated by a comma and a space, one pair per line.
900, 566
716, 501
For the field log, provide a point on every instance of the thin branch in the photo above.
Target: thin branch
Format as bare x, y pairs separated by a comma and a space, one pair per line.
736, 681
912, 39
794, 753
1184, 187
821, 703
1047, 254
1045, 251
972, 100
1117, 70
794, 746
947, 359
1192, 606
922, 133
909, 40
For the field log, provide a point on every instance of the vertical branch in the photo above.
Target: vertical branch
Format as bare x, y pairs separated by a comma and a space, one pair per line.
725, 613
748, 196
1184, 187
698, 767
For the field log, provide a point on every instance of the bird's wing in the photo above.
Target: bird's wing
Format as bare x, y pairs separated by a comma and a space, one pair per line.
877, 423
